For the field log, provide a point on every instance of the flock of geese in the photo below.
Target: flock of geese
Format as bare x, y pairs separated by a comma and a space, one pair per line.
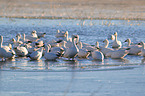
62, 46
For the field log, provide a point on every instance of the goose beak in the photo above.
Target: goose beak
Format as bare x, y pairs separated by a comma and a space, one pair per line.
125, 41
139, 44
59, 41
128, 49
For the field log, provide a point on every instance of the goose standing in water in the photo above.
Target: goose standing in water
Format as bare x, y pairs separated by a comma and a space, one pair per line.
33, 37
21, 51
105, 49
83, 53
72, 51
50, 55
118, 54
34, 34
5, 51
97, 55
60, 34
116, 43
134, 49
36, 55
143, 48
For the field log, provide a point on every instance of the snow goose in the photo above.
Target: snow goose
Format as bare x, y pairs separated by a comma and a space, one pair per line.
134, 49
21, 51
5, 51
116, 43
39, 43
30, 47
83, 53
60, 34
57, 49
54, 43
36, 55
105, 49
34, 34
18, 36
33, 37
118, 54
72, 51
143, 48
68, 40
50, 55
97, 55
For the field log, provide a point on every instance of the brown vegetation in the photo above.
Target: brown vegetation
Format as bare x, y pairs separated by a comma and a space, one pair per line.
76, 9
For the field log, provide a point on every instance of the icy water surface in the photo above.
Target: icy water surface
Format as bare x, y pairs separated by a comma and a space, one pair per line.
81, 77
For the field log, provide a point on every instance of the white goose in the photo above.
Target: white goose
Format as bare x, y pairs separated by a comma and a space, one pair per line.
50, 55
60, 34
72, 51
34, 34
18, 38
111, 37
5, 51
134, 49
83, 53
87, 46
116, 43
97, 55
143, 48
21, 51
105, 49
36, 55
33, 37
117, 54
18, 42
68, 40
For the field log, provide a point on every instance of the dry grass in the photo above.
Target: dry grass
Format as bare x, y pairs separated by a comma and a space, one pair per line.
75, 9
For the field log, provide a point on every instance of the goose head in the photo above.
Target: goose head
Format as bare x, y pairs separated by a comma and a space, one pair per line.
115, 33
141, 43
1, 40
74, 36
18, 35
106, 43
33, 32
58, 31
13, 40
127, 40
1, 37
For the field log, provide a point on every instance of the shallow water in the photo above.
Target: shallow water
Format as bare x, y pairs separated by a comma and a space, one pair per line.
81, 77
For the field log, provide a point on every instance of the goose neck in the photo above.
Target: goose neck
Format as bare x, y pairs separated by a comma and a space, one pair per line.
143, 46
129, 42
106, 44
115, 37
1, 41
47, 48
97, 44
66, 36
23, 37
18, 38
80, 45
